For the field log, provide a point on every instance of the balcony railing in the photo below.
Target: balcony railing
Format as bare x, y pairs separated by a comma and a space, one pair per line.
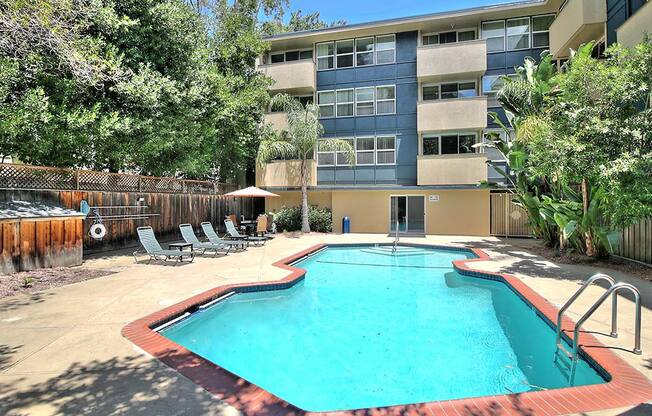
279, 121
462, 169
464, 60
578, 22
285, 174
452, 114
296, 77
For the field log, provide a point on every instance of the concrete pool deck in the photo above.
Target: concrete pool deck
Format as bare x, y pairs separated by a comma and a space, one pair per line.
61, 351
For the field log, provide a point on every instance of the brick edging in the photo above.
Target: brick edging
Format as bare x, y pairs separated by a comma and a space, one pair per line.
626, 386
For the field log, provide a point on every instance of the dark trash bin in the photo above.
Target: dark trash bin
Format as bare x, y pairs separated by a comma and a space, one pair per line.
346, 225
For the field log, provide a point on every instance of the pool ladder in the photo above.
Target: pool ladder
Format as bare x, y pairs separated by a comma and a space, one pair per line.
612, 291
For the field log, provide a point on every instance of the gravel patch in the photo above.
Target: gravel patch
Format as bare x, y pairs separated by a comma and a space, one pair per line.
42, 279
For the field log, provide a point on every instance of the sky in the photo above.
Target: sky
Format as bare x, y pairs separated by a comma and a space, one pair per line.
356, 11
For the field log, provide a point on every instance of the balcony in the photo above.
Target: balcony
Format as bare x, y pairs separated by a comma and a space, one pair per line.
578, 22
463, 169
296, 77
452, 114
631, 32
285, 174
464, 60
279, 121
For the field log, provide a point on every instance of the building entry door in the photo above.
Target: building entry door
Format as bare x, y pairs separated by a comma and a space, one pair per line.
408, 212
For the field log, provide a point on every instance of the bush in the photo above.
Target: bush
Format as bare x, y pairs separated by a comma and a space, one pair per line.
289, 219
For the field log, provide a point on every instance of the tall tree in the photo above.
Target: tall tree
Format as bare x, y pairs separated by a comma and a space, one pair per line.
300, 142
298, 22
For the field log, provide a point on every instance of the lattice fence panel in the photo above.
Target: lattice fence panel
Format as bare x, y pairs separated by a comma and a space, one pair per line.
108, 182
161, 185
35, 177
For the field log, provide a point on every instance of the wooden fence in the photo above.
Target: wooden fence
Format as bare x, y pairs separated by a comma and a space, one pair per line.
509, 220
163, 202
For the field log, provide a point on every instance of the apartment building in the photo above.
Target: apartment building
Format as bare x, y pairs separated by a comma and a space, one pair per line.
412, 96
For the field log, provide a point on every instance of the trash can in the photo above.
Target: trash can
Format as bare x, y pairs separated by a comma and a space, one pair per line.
346, 225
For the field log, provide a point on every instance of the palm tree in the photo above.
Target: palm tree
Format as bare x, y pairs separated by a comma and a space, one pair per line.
300, 142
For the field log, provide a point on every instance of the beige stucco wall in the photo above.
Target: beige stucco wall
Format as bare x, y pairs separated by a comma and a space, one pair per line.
458, 212
322, 199
291, 77
284, 174
578, 22
452, 61
452, 114
464, 169
631, 32
279, 121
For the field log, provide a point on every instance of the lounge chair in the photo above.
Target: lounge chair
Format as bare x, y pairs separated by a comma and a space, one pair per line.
154, 249
234, 234
189, 236
215, 239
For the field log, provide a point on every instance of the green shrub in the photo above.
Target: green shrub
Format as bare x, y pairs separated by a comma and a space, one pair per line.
289, 219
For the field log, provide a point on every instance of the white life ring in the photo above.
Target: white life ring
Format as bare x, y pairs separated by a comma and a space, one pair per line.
97, 231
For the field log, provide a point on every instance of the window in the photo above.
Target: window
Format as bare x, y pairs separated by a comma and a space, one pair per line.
449, 91
326, 102
344, 53
277, 57
385, 150
458, 90
540, 30
447, 37
340, 157
448, 144
364, 150
430, 92
430, 145
345, 103
364, 101
465, 35
466, 89
307, 54
292, 56
385, 49
324, 157
386, 100
364, 51
305, 99
430, 39
494, 33
491, 84
325, 56
518, 33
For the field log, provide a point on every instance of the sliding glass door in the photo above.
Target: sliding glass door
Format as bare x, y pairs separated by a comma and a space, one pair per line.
408, 213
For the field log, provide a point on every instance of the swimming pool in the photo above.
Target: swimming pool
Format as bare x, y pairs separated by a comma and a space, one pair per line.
366, 329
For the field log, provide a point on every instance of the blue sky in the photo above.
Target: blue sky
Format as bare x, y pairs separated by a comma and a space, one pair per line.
356, 11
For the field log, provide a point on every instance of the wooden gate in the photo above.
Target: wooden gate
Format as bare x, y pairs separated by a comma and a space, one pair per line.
508, 219
636, 242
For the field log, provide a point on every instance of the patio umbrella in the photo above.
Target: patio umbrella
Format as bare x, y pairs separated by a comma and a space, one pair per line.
251, 192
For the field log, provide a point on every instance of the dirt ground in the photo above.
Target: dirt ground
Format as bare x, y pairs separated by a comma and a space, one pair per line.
37, 280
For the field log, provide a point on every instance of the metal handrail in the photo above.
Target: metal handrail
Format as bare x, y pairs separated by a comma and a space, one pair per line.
395, 239
587, 283
613, 289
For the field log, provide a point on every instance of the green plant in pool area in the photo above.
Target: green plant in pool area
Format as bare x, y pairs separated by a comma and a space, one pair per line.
28, 281
289, 219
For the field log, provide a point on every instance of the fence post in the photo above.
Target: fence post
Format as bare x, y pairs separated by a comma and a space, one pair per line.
77, 179
183, 186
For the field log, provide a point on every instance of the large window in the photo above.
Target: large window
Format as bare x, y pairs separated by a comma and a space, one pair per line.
386, 150
326, 103
364, 150
541, 30
448, 144
344, 53
491, 84
448, 37
385, 49
386, 99
364, 51
494, 34
288, 56
364, 101
341, 158
448, 90
345, 102
324, 157
325, 56
518, 33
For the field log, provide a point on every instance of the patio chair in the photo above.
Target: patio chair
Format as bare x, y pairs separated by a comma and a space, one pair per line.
212, 236
262, 226
189, 236
155, 251
234, 234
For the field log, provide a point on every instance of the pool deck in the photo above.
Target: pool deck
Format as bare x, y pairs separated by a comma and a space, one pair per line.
62, 352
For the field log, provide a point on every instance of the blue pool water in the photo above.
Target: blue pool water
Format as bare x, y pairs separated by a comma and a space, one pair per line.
367, 329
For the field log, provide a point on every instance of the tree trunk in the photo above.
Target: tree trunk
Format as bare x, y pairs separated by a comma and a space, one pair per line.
588, 237
305, 224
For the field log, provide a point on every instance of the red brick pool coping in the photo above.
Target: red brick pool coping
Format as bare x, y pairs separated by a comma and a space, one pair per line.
626, 387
